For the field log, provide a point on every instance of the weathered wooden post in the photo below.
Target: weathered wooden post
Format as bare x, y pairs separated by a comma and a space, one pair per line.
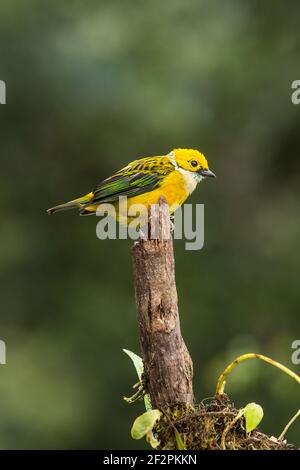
168, 368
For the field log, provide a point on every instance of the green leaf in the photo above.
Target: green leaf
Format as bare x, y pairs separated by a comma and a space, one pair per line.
154, 443
144, 423
253, 414
137, 362
179, 442
139, 367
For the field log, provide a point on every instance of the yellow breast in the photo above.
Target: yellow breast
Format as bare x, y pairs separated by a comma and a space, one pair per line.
176, 188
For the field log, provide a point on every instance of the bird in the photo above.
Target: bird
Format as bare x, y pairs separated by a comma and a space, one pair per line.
143, 181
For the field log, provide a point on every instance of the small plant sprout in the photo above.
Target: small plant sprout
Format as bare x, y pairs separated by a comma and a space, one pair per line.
139, 367
253, 414
143, 427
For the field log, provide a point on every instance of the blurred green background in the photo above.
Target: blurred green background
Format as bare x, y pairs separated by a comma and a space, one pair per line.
91, 86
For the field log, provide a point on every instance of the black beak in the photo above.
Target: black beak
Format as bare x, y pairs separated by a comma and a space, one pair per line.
207, 173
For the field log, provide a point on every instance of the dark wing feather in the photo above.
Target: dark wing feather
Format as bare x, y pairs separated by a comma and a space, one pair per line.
140, 177
122, 185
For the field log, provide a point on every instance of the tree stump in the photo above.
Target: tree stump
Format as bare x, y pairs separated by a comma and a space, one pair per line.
168, 368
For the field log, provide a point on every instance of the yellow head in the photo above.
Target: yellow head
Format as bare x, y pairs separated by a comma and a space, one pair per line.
191, 160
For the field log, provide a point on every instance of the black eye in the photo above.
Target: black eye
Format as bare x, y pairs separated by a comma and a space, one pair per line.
194, 163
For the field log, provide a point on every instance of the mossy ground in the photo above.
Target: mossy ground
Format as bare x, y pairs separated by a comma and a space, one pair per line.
212, 425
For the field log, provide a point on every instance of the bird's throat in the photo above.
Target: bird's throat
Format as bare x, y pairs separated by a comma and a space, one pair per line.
191, 179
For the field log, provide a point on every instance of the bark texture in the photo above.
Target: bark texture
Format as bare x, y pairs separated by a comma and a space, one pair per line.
167, 363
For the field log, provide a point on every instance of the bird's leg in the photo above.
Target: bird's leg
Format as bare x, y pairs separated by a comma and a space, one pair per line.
172, 225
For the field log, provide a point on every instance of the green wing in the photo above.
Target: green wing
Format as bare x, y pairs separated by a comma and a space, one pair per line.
139, 177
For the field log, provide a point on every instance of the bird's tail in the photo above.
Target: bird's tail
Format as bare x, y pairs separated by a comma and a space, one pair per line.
74, 204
